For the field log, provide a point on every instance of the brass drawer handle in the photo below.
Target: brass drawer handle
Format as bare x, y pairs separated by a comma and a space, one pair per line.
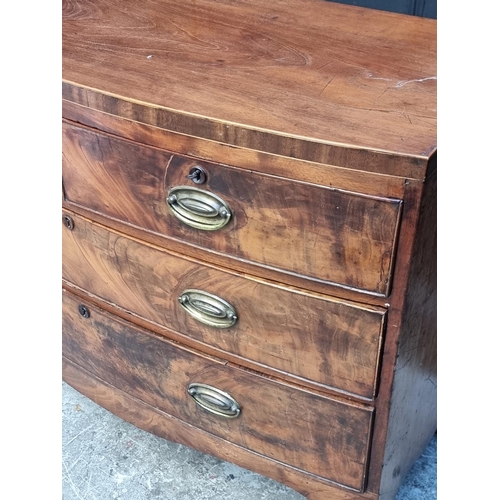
214, 400
197, 208
208, 308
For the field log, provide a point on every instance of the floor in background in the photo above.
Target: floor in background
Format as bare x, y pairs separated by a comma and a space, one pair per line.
105, 458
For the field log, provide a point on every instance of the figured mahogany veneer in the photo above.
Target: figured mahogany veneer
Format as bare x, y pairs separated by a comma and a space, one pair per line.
158, 372
308, 311
331, 235
317, 338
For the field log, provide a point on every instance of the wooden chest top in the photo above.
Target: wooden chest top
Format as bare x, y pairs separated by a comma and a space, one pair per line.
307, 79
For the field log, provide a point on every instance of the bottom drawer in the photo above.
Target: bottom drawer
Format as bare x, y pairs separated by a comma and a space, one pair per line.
314, 433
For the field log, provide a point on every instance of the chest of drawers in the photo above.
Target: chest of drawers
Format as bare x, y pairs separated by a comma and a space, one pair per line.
249, 232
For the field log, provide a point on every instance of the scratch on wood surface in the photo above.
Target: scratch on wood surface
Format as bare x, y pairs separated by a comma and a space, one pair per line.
326, 64
382, 94
371, 77
402, 83
324, 88
376, 100
407, 117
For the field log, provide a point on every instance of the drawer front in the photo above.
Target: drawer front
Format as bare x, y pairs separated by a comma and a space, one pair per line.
318, 338
316, 434
315, 232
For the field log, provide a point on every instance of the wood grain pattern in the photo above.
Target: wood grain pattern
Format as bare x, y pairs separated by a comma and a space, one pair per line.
238, 266
385, 398
317, 338
257, 75
155, 421
249, 159
413, 413
276, 420
336, 237
294, 108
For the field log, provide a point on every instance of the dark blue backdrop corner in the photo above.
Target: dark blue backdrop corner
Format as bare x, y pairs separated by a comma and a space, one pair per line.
422, 8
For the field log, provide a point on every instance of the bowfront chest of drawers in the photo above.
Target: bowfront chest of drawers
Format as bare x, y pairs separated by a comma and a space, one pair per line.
249, 232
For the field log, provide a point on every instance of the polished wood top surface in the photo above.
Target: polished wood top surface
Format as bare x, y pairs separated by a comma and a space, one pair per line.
305, 73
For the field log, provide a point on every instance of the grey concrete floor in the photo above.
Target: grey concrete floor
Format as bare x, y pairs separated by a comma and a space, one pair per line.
105, 458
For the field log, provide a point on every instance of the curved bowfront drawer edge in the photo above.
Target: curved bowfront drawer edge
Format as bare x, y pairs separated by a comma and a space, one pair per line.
161, 424
268, 418
333, 343
314, 232
363, 159
287, 167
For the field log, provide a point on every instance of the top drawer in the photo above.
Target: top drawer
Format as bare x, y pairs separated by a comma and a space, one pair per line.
320, 233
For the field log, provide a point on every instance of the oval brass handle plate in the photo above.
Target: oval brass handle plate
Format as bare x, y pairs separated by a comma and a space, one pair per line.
197, 208
214, 400
208, 308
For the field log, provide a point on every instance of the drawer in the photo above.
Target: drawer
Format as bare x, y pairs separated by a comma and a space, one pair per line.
316, 434
323, 340
310, 231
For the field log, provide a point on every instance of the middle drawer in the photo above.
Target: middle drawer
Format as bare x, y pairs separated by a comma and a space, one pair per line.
320, 339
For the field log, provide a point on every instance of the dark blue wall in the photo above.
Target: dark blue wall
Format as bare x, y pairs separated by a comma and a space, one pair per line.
423, 8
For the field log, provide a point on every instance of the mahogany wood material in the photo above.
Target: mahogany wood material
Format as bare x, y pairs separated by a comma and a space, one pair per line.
257, 161
412, 417
292, 77
238, 266
323, 233
293, 108
283, 423
157, 422
317, 338
412, 198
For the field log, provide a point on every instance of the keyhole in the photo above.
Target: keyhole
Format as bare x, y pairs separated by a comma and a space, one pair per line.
83, 311
197, 175
68, 222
